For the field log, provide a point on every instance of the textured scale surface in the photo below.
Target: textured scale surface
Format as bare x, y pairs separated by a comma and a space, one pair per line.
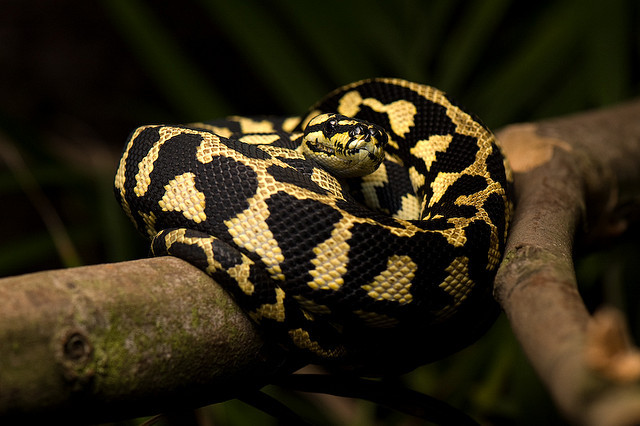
381, 273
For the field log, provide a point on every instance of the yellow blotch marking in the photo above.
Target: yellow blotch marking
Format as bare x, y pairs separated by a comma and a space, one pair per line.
457, 284
456, 236
181, 195
249, 125
478, 199
401, 113
240, 273
369, 184
276, 151
426, 149
417, 179
331, 259
302, 339
119, 181
251, 232
465, 124
393, 283
411, 208
209, 147
145, 166
327, 181
149, 222
221, 131
290, 123
375, 319
274, 311
349, 104
205, 244
440, 184
259, 139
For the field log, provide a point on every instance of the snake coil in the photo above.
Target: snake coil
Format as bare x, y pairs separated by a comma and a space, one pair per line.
381, 272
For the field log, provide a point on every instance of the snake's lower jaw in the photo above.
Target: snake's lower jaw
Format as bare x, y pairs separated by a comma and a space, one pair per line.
368, 159
354, 164
375, 154
364, 148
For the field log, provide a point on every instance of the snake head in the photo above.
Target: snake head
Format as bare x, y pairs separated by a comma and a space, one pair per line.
344, 146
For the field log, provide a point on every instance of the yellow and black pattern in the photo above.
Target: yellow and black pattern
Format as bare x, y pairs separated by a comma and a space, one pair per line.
384, 271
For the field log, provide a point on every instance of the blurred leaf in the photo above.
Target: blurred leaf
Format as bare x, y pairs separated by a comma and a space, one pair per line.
341, 58
467, 41
541, 58
261, 39
180, 80
429, 21
607, 48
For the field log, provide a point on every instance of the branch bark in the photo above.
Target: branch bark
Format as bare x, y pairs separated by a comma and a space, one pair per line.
572, 173
132, 336
121, 340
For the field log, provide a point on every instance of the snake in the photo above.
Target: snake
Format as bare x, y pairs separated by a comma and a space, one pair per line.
364, 233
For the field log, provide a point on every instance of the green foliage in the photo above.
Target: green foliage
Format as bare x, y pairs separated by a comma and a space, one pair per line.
507, 61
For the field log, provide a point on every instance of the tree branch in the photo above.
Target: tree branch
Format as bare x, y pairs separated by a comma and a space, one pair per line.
121, 340
570, 173
82, 343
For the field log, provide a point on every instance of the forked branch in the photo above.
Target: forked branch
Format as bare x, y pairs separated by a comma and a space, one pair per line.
572, 174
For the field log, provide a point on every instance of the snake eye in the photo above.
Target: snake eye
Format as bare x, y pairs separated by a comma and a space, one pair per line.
331, 124
357, 130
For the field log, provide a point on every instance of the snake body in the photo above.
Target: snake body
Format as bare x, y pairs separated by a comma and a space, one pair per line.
384, 271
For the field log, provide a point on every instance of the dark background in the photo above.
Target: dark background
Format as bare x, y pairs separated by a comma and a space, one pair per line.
77, 76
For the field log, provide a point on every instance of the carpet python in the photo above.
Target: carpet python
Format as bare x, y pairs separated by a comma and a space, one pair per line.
381, 272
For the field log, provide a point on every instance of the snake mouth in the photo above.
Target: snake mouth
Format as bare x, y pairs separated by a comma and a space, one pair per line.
347, 156
358, 153
316, 146
343, 155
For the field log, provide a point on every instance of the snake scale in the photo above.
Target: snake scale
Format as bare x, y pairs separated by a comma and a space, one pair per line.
382, 272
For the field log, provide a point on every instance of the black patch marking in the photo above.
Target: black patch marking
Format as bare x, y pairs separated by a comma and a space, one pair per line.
299, 226
464, 185
226, 183
359, 210
299, 176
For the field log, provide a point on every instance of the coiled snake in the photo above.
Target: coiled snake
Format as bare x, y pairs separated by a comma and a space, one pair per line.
384, 271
